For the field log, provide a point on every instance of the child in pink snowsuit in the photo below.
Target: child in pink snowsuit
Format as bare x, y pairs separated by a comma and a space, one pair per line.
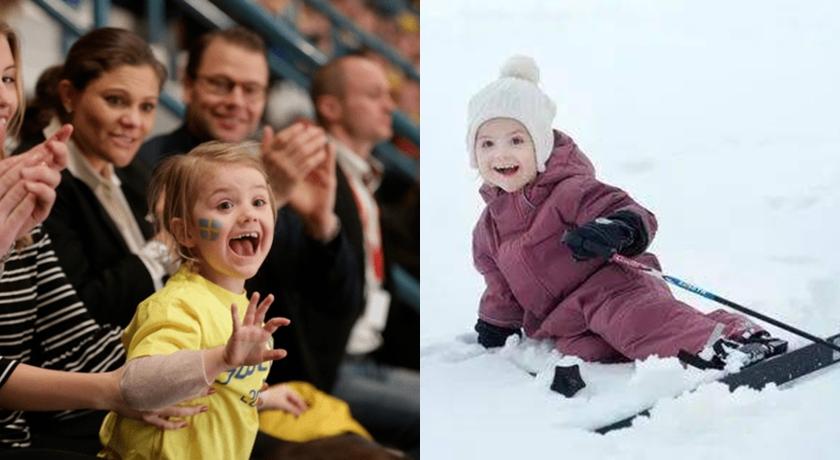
543, 241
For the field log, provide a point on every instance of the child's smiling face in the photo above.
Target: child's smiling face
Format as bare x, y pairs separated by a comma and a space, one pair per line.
234, 225
505, 154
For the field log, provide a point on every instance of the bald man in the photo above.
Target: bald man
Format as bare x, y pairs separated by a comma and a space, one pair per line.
353, 103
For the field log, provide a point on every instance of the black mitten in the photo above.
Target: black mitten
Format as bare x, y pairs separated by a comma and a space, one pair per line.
490, 336
622, 232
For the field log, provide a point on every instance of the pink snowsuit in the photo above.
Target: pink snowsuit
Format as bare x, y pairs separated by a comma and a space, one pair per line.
595, 310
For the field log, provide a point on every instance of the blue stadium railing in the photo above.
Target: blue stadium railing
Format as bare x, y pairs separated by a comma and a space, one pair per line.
301, 59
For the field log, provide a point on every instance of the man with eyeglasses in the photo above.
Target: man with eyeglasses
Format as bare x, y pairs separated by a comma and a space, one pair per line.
310, 269
230, 114
225, 85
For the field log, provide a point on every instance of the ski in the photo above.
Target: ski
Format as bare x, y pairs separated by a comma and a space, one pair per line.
779, 370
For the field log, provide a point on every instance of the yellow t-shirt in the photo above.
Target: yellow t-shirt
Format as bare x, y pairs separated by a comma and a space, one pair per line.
190, 313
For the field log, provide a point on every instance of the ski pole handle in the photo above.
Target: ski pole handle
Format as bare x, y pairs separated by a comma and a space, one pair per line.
630, 263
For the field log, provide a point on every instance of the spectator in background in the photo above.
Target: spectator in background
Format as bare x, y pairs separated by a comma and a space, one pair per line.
108, 89
390, 21
359, 12
288, 101
408, 44
309, 22
406, 94
353, 102
408, 39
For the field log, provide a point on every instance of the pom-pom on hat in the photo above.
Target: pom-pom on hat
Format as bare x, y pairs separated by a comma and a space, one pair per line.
515, 95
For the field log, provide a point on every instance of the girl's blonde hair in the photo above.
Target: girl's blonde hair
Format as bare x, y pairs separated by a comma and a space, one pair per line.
179, 178
13, 125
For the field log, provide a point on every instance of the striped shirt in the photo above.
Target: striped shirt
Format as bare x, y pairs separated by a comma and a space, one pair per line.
43, 323
7, 366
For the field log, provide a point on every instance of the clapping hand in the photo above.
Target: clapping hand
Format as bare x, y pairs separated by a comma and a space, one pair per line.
27, 186
290, 155
314, 198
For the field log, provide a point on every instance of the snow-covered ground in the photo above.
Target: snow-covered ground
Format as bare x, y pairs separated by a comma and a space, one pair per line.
721, 117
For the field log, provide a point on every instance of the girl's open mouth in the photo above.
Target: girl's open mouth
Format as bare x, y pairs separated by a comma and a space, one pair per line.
506, 170
245, 244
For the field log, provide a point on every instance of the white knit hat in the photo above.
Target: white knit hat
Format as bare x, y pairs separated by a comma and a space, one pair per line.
515, 95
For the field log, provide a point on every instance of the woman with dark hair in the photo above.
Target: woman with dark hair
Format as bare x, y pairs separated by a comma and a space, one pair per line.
108, 90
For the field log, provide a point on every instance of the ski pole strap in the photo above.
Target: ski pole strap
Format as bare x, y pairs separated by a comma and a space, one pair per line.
630, 263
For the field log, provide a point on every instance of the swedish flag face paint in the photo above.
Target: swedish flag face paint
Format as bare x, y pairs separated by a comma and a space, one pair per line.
208, 229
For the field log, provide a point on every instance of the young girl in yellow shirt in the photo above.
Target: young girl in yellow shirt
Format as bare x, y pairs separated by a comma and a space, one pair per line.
219, 208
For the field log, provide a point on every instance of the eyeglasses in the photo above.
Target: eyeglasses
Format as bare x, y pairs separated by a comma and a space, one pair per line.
222, 86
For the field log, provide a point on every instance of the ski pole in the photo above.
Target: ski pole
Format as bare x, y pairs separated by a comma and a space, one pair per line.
626, 262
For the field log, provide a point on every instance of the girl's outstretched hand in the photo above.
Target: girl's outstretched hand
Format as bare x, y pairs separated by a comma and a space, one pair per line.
282, 397
247, 344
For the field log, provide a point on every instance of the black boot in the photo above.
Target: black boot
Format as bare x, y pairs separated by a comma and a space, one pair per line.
754, 346
749, 349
